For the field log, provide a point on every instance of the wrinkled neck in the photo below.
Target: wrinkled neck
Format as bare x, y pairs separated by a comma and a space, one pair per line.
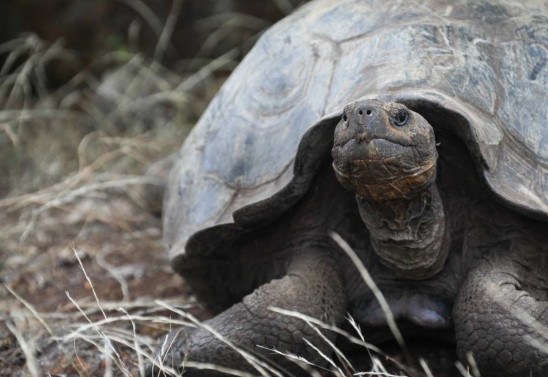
408, 234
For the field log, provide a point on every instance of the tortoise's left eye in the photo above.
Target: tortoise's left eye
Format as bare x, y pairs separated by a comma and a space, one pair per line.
401, 118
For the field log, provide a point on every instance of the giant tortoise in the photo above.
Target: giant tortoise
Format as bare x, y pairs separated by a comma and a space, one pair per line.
415, 131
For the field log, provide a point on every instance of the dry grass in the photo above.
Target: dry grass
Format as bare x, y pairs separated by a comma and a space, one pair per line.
78, 248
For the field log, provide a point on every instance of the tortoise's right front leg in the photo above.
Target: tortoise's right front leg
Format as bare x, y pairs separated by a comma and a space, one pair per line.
311, 286
501, 314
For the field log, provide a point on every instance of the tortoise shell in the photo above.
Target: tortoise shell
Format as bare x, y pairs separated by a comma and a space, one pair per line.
478, 67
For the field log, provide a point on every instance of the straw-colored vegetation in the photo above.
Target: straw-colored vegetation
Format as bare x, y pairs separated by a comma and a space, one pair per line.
86, 289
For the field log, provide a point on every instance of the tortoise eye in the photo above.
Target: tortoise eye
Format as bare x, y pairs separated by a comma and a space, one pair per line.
401, 118
345, 118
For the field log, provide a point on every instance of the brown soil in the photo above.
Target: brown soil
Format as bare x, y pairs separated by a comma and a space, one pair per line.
119, 246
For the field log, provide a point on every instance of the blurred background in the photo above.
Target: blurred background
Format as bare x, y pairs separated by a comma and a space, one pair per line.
94, 95
197, 29
51, 49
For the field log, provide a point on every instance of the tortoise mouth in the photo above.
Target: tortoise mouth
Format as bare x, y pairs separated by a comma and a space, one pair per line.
374, 147
399, 171
381, 158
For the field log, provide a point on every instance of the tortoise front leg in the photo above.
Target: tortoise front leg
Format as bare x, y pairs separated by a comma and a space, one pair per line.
311, 286
501, 314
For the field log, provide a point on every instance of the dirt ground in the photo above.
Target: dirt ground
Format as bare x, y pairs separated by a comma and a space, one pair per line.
87, 272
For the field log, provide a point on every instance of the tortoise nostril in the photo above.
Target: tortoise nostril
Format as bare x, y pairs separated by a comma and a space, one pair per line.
364, 110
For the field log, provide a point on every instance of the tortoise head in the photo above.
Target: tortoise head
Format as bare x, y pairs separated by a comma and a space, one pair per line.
386, 154
384, 151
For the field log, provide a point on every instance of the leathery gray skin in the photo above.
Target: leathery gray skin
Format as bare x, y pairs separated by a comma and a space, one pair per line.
385, 155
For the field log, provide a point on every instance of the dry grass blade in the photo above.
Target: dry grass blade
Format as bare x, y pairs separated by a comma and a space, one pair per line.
379, 374
136, 344
462, 370
106, 347
27, 349
167, 30
473, 365
325, 357
11, 135
148, 15
31, 308
342, 357
537, 343
325, 326
89, 281
217, 368
425, 367
299, 360
371, 284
